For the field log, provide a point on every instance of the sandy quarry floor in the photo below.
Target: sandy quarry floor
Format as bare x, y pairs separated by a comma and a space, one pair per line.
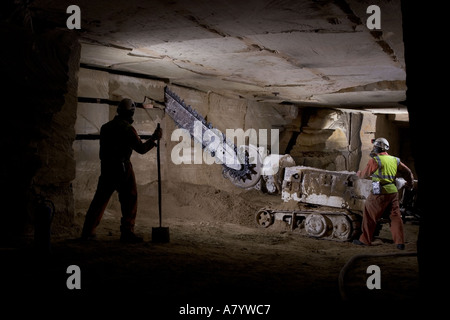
216, 256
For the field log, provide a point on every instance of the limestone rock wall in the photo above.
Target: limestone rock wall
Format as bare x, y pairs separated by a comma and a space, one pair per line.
328, 139
38, 126
334, 139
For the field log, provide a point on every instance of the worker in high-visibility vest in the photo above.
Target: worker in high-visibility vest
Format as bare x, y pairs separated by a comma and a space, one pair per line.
383, 169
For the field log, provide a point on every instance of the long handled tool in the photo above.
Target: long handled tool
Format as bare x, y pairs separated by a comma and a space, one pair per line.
160, 234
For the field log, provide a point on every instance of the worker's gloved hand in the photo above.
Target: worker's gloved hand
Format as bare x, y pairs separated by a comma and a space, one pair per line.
157, 134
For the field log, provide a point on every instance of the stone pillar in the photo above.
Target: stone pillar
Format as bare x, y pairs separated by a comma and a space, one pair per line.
39, 112
328, 140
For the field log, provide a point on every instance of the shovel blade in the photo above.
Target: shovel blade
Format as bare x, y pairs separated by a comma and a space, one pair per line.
160, 235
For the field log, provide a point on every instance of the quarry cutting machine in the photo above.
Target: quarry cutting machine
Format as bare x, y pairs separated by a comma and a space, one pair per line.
318, 203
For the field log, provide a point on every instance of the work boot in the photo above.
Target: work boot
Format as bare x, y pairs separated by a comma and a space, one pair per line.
88, 237
359, 243
401, 246
130, 237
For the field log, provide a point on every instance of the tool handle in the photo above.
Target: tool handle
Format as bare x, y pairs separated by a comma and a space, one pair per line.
158, 159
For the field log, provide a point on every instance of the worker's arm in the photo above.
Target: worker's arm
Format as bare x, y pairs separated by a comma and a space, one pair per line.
370, 168
137, 144
407, 174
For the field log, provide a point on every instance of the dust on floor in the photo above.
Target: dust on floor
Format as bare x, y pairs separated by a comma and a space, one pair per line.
216, 256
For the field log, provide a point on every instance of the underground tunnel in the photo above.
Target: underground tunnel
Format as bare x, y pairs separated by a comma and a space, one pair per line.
295, 92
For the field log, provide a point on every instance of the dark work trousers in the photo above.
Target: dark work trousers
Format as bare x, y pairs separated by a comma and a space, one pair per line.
374, 208
114, 177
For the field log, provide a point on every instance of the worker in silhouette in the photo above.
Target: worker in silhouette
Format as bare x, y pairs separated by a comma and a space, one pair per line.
383, 169
118, 139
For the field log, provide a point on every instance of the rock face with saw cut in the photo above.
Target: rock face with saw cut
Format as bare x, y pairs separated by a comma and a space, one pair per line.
241, 164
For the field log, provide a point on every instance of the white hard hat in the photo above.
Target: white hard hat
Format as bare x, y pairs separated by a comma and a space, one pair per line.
381, 143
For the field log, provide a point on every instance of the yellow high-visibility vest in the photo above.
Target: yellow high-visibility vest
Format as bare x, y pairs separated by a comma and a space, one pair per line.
386, 172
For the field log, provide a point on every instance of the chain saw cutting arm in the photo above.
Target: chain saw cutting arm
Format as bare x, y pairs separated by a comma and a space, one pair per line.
241, 164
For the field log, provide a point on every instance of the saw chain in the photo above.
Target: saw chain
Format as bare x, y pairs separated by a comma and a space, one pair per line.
239, 165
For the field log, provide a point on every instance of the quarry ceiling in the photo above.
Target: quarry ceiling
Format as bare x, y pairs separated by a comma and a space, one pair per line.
311, 53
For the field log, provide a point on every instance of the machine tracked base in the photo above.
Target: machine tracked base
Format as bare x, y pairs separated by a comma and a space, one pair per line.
319, 222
